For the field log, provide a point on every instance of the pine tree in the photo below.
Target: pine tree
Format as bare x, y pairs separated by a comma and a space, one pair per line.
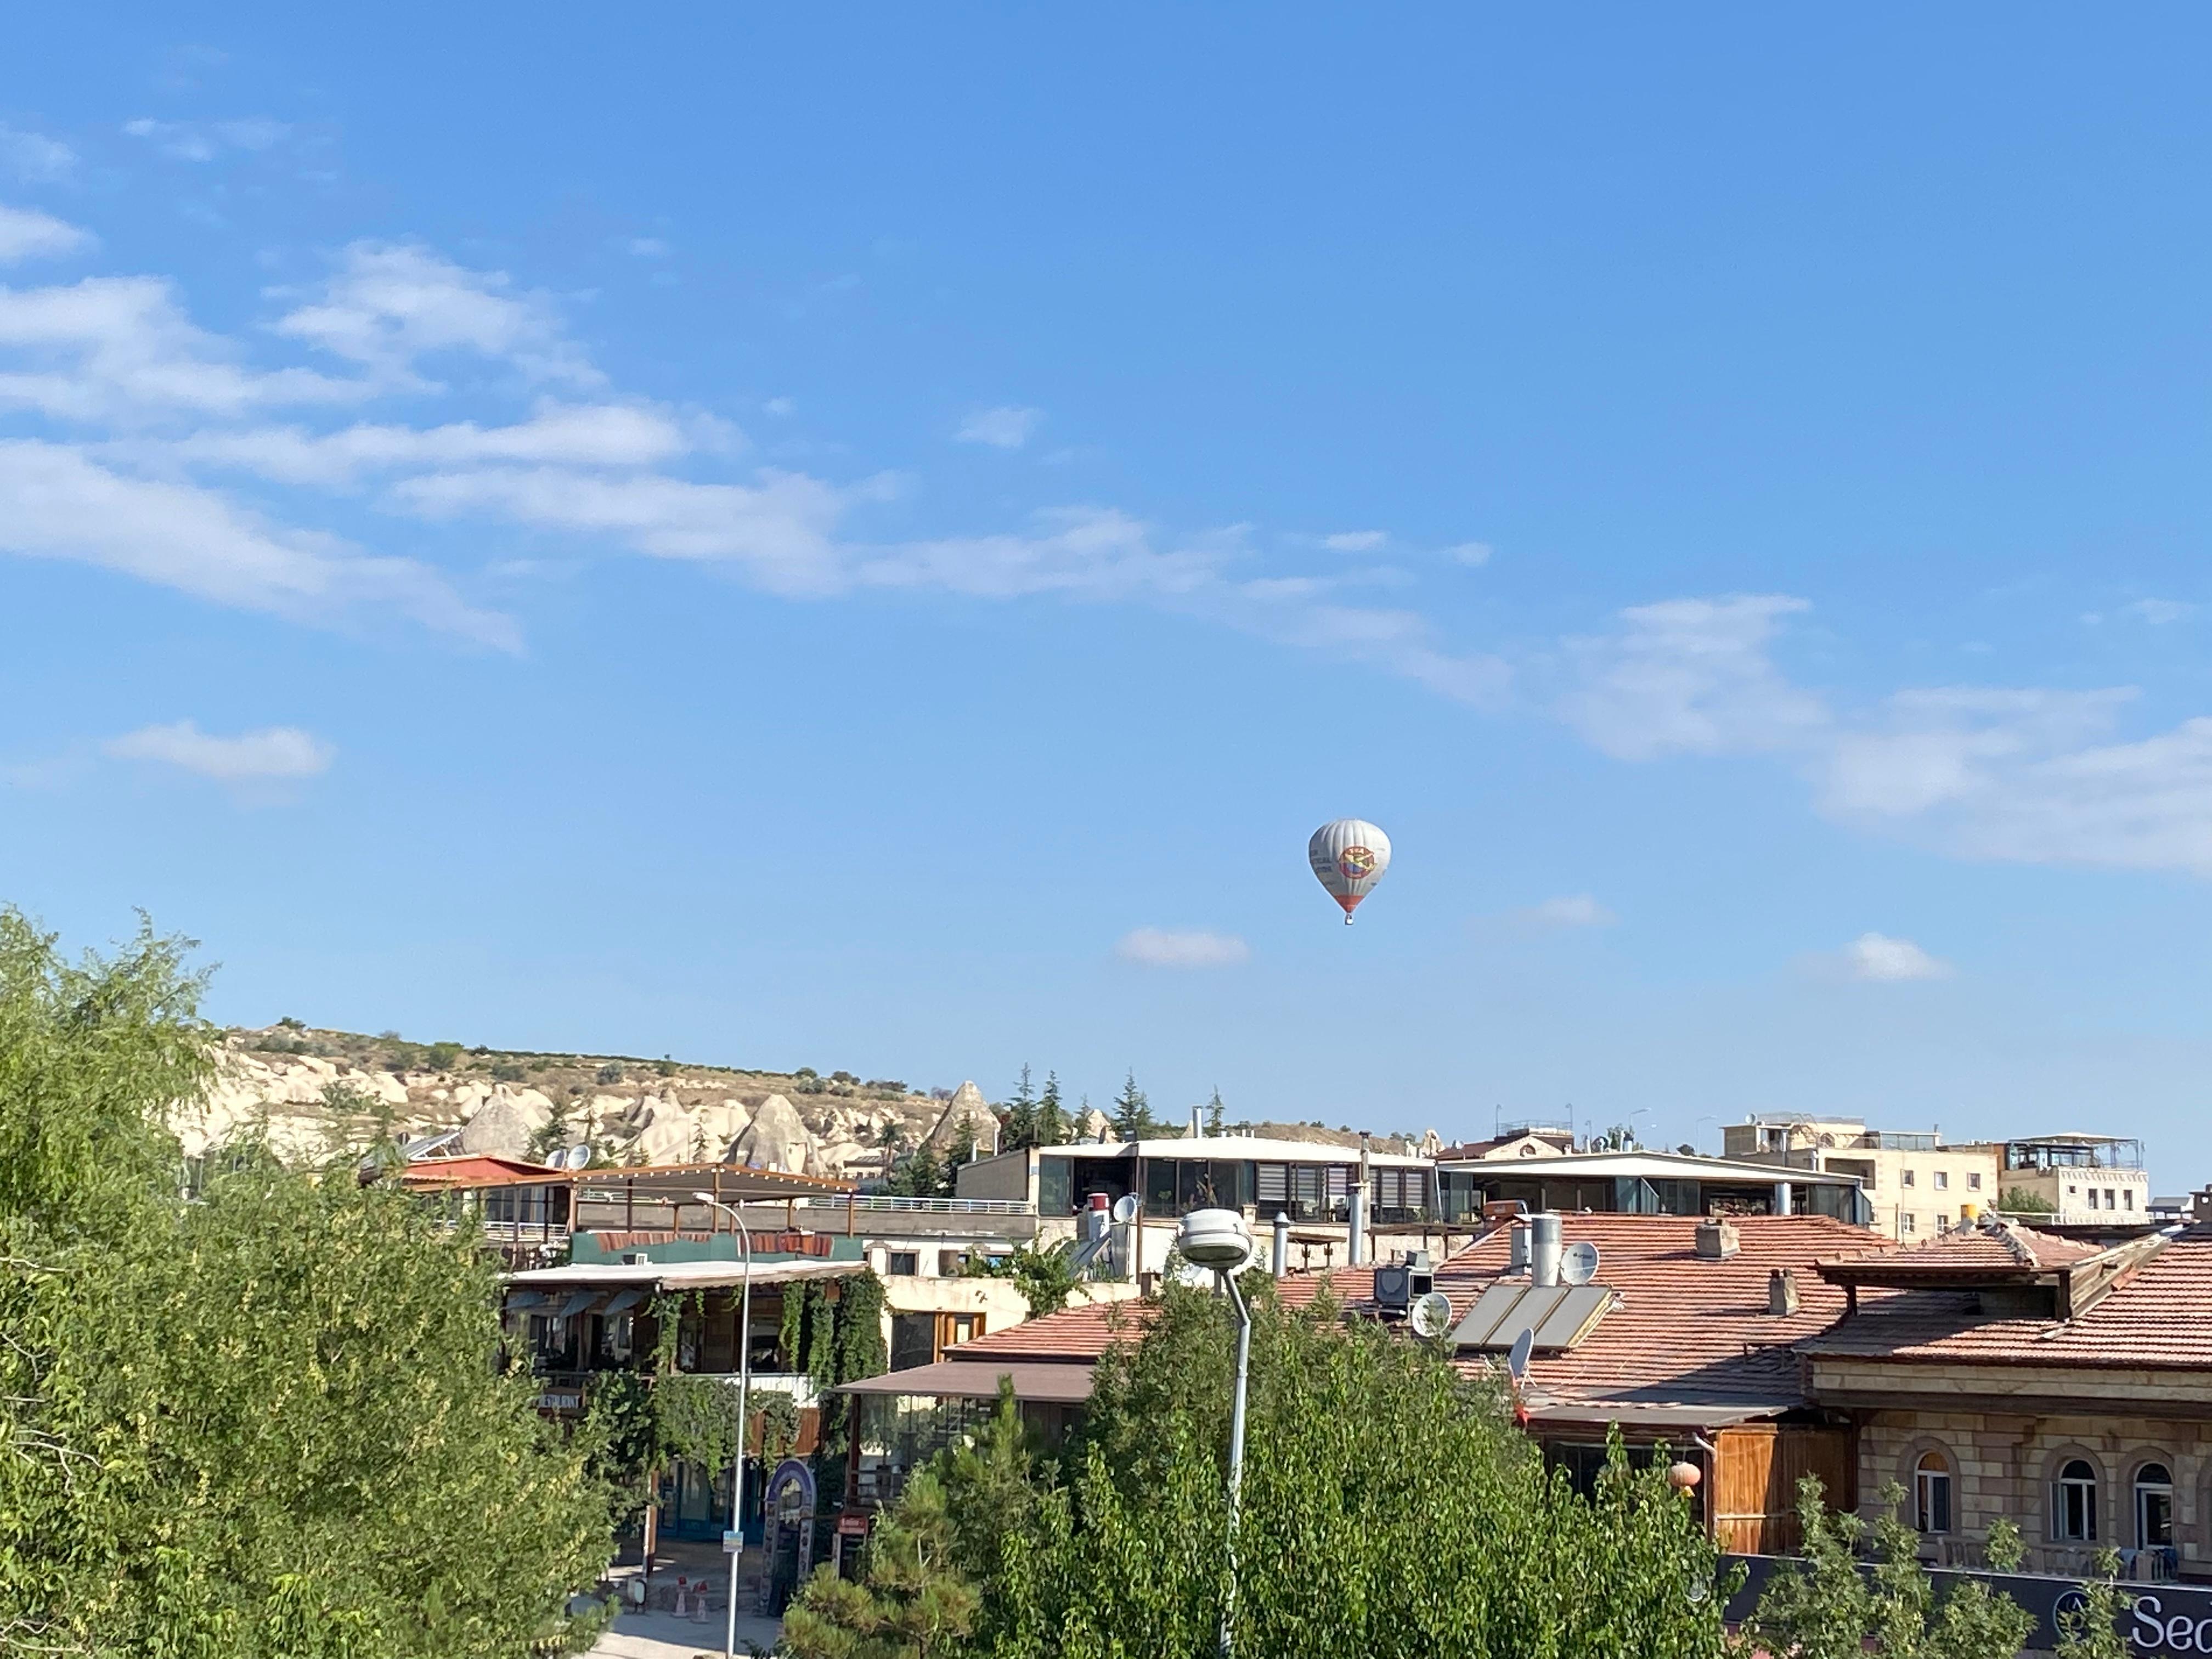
1020, 1127
1213, 1113
963, 1152
913, 1599
920, 1175
1052, 1126
1133, 1112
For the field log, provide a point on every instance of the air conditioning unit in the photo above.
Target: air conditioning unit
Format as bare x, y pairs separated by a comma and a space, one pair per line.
637, 1258
1393, 1286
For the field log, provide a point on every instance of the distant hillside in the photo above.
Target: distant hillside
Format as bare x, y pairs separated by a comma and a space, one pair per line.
314, 1091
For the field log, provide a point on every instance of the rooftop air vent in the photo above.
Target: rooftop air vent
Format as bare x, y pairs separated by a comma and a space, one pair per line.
1717, 1240
637, 1258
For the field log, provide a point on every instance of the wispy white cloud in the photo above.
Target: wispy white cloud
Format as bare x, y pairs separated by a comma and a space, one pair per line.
1171, 947
1690, 677
1572, 910
273, 753
26, 234
2020, 775
614, 435
1005, 428
202, 141
120, 349
62, 505
2159, 612
648, 247
35, 158
1357, 541
1880, 958
1471, 554
389, 305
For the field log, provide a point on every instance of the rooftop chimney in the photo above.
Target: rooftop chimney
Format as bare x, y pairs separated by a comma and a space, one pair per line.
1782, 1292
1517, 1238
1715, 1240
1544, 1249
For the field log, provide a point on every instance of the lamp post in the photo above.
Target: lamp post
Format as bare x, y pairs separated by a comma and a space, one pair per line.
745, 1388
1220, 1239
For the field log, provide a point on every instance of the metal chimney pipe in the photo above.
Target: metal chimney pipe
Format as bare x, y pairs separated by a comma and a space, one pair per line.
1544, 1249
1782, 1206
1278, 1261
1517, 1238
1355, 1247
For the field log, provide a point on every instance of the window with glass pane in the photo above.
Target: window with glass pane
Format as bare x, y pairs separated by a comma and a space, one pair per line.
2154, 1506
2074, 1504
1932, 1493
1270, 1183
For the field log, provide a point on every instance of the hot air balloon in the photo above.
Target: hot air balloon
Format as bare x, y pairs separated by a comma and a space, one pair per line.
1349, 857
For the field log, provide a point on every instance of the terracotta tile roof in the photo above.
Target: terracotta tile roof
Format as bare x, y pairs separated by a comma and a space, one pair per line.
2157, 1315
1683, 1329
1991, 1246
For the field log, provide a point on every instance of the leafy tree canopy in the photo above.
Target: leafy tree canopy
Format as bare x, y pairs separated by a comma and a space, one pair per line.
265, 1423
1390, 1509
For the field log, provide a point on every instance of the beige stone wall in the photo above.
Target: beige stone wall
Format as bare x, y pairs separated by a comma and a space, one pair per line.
2003, 1466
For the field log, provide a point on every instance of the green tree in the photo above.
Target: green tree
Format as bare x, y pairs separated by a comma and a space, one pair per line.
1019, 1127
1051, 1125
920, 1175
2018, 1201
1041, 1272
1830, 1604
267, 1423
912, 1601
1216, 1114
2092, 1631
1390, 1508
1132, 1113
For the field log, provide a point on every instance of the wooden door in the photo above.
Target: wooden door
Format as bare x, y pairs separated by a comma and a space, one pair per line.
1757, 1467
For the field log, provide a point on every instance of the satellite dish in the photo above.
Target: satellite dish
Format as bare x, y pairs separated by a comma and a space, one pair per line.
1516, 1362
556, 1160
1125, 1207
577, 1156
1578, 1263
1349, 857
1431, 1315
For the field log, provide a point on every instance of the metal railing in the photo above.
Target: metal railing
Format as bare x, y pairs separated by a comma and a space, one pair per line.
886, 1203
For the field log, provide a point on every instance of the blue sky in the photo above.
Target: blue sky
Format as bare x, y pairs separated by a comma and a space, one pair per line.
871, 539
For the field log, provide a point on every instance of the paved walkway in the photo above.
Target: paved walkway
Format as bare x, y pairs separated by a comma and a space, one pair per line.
662, 1636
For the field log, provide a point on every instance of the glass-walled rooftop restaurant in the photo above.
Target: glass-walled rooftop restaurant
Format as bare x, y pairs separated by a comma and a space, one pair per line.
1647, 1184
2074, 1152
1307, 1183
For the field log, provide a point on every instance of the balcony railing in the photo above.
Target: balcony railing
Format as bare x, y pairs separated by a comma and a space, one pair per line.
886, 1203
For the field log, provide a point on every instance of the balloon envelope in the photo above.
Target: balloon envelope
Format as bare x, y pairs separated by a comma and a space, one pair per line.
1349, 857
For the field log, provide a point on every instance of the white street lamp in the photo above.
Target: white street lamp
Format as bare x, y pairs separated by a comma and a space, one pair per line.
744, 1388
1220, 1239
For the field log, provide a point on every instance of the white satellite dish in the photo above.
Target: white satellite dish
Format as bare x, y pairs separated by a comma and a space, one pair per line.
577, 1156
1431, 1315
1125, 1207
1578, 1263
1516, 1362
557, 1160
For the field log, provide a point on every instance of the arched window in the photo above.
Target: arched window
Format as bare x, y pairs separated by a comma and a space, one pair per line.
1931, 1492
2074, 1502
2154, 1506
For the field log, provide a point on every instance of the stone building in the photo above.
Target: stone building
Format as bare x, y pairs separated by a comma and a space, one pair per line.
1915, 1187
2062, 1385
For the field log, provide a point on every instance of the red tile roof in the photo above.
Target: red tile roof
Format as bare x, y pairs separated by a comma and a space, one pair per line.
2157, 1315
1683, 1328
1991, 1247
